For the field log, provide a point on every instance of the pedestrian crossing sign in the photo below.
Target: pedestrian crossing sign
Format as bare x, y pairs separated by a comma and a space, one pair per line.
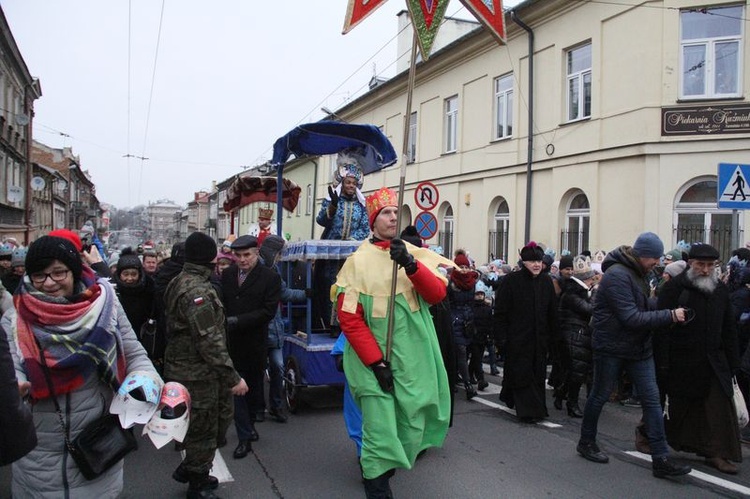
734, 191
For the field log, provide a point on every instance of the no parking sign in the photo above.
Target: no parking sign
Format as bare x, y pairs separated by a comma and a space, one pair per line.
426, 225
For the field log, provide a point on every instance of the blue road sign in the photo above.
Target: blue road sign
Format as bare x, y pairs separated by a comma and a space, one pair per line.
733, 189
426, 225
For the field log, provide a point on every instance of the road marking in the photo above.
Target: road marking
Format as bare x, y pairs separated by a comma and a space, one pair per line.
218, 468
512, 412
726, 484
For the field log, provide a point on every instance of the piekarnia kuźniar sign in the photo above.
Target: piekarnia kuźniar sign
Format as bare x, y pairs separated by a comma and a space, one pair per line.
705, 120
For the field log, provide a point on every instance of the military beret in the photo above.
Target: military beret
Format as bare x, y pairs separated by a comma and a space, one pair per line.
245, 242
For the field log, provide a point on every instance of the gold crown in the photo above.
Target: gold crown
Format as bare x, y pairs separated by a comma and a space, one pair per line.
265, 213
599, 256
581, 265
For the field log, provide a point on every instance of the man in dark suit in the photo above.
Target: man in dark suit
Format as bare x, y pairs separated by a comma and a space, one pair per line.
251, 294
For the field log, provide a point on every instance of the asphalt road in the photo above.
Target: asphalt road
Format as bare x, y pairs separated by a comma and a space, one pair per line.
487, 454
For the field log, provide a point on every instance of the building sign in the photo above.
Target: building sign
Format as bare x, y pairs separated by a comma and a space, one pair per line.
705, 120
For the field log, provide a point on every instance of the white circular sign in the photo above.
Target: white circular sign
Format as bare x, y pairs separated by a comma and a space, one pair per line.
38, 183
15, 193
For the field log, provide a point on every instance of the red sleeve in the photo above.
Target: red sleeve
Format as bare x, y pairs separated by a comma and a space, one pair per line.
428, 285
358, 333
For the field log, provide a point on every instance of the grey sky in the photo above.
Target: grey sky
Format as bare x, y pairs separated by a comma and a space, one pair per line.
231, 76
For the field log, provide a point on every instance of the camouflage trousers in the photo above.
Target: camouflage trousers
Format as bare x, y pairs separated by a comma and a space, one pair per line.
206, 419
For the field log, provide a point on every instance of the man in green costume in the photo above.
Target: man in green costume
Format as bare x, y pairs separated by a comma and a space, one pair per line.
405, 402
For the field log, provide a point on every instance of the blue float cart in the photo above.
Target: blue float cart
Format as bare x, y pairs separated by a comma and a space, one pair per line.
307, 354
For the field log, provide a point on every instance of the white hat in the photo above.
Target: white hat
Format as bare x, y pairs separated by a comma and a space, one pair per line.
172, 419
137, 398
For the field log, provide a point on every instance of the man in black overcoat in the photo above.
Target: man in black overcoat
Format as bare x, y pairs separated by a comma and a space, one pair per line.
251, 295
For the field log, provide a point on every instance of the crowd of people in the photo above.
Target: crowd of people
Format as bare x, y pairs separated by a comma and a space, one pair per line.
667, 330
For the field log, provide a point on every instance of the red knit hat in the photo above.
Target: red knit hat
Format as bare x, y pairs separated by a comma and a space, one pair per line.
70, 236
462, 260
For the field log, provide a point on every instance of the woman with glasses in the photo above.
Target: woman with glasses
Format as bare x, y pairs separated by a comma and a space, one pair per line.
70, 325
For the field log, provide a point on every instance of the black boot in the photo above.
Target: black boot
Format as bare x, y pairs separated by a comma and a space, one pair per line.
379, 488
559, 397
182, 475
664, 467
471, 392
200, 487
574, 411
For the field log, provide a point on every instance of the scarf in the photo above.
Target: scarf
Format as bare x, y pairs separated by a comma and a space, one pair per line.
78, 336
464, 280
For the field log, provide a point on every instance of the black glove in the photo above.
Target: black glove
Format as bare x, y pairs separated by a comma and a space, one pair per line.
401, 256
334, 200
384, 375
232, 322
309, 292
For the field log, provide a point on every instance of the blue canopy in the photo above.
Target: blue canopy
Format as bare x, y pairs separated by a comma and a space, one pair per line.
331, 137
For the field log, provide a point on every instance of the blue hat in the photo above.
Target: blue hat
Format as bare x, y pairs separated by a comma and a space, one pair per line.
648, 245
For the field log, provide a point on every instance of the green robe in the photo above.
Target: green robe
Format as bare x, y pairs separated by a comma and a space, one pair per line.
396, 426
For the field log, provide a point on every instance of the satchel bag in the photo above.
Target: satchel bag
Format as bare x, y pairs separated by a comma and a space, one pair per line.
101, 444
739, 405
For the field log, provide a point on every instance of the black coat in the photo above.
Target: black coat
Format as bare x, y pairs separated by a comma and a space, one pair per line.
575, 314
17, 433
707, 345
624, 315
254, 304
525, 322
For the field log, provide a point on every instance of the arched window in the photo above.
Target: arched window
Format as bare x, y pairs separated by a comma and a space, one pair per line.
405, 216
575, 236
499, 231
445, 235
696, 218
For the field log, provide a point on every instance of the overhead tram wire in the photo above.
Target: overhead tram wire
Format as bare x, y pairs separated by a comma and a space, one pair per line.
127, 145
333, 92
150, 100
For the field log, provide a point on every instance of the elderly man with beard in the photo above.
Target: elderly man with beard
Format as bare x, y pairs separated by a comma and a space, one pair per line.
695, 362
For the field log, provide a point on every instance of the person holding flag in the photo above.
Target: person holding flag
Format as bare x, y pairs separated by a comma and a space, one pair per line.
403, 393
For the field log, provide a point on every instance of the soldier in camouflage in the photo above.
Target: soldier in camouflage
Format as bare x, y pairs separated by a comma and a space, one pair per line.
197, 357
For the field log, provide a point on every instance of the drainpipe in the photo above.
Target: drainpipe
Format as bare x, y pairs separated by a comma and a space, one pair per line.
530, 151
314, 196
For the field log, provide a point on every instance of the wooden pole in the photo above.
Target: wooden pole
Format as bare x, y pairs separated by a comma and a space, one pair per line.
402, 182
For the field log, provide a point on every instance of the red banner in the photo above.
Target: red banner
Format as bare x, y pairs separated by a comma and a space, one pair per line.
427, 16
357, 11
490, 14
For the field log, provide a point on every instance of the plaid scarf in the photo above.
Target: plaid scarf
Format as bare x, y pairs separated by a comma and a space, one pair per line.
78, 336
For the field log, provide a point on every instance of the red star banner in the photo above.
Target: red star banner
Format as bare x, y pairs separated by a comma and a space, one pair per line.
357, 11
427, 16
490, 14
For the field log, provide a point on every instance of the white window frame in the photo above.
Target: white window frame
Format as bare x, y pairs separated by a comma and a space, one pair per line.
309, 200
450, 125
709, 45
503, 86
577, 80
582, 216
411, 144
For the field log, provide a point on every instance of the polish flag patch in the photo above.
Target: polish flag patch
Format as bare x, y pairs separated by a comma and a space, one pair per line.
198, 301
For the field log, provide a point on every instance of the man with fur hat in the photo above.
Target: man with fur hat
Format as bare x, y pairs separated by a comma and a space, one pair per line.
624, 318
197, 357
404, 394
525, 323
264, 227
698, 360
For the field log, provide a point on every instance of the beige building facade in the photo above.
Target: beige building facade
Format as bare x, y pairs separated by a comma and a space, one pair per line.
634, 107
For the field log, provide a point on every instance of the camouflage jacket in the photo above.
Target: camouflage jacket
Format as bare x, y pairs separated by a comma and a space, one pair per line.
197, 347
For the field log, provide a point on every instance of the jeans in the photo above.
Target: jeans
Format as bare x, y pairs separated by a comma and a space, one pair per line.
276, 375
643, 376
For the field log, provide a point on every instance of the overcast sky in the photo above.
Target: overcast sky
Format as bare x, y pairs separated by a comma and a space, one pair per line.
230, 77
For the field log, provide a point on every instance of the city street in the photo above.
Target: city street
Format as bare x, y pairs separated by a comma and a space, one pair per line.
488, 453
